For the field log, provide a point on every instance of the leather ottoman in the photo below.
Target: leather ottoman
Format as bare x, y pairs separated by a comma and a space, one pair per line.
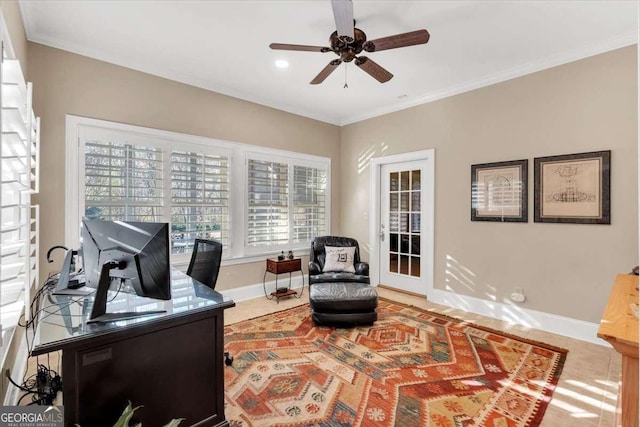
343, 303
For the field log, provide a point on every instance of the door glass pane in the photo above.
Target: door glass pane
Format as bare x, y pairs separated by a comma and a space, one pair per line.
393, 242
415, 266
415, 223
415, 201
404, 222
415, 180
393, 222
404, 243
404, 264
393, 201
393, 263
415, 245
404, 201
393, 181
404, 180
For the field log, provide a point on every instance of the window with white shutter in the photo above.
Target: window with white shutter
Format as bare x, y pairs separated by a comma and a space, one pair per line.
268, 207
287, 203
123, 182
309, 211
255, 200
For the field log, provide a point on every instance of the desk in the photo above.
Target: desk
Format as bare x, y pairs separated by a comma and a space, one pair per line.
171, 363
619, 327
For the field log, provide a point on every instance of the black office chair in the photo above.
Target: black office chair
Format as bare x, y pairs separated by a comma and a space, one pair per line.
205, 262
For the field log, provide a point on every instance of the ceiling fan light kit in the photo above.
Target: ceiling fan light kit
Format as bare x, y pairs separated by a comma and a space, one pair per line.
348, 41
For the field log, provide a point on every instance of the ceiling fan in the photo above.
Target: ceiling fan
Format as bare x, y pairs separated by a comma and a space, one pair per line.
348, 41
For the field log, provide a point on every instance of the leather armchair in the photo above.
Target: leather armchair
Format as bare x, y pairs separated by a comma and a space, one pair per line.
317, 261
340, 297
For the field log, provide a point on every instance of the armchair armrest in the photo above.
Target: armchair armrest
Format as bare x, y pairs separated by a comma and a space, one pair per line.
362, 268
314, 268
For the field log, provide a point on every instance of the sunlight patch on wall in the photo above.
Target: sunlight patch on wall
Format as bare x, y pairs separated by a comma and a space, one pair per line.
364, 158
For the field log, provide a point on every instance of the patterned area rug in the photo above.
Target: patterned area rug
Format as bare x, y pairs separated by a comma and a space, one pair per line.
412, 368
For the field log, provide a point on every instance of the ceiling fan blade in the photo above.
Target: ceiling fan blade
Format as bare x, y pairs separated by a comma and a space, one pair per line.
343, 15
399, 40
325, 72
373, 69
283, 46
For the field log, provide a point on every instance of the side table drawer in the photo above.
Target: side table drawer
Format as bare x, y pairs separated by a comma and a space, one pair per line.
286, 266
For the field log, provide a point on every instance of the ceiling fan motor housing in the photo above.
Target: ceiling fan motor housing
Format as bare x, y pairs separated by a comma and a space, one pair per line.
345, 47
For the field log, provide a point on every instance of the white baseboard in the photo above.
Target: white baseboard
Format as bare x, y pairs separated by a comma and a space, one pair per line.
573, 328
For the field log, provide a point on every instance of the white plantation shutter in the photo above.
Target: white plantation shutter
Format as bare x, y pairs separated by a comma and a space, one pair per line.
123, 182
287, 204
199, 199
309, 203
268, 204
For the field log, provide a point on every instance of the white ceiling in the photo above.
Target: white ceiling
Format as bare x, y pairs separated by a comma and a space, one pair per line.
223, 46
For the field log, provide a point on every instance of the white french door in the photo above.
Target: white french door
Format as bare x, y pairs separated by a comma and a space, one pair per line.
405, 242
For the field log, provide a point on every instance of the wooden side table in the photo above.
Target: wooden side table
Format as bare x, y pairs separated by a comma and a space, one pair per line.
275, 266
619, 327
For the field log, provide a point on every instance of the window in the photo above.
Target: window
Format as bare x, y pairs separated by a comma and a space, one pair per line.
199, 199
286, 203
254, 200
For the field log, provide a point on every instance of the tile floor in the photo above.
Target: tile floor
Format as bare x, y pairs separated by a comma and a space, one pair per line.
587, 392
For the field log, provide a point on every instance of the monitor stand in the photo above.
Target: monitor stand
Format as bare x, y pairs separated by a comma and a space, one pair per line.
99, 311
68, 282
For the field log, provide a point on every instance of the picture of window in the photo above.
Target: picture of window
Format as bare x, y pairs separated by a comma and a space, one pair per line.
499, 191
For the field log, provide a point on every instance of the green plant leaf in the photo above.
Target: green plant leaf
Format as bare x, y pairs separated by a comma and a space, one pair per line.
174, 423
124, 419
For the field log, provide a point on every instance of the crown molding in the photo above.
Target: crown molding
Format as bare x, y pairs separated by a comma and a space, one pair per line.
542, 64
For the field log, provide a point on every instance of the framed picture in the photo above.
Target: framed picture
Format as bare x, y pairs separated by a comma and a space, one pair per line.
573, 188
499, 191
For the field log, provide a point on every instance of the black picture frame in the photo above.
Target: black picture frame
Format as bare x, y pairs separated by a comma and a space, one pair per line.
573, 188
499, 191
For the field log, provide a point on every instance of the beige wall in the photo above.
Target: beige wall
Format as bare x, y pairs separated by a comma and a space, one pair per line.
566, 269
13, 19
65, 83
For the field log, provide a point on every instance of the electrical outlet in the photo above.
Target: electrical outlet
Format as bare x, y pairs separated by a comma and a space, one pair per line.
518, 295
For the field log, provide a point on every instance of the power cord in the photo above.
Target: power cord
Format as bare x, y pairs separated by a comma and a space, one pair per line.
43, 386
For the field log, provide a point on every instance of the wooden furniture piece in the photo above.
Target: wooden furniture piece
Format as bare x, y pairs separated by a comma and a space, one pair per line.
619, 327
275, 266
171, 363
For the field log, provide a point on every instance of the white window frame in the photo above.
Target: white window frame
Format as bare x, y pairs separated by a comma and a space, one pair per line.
237, 153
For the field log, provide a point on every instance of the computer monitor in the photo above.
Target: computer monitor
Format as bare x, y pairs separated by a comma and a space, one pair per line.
69, 280
127, 256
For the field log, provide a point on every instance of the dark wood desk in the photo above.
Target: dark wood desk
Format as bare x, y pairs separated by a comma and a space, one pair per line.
170, 363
